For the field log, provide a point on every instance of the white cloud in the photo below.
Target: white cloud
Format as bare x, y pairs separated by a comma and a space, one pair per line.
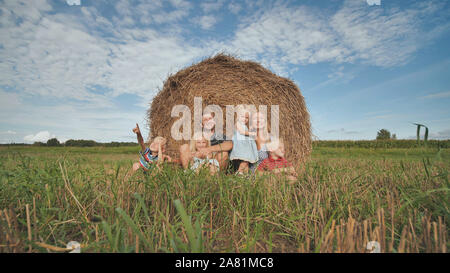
42, 136
373, 2
340, 73
356, 33
377, 37
234, 7
206, 22
151, 12
73, 2
59, 57
440, 95
211, 5
283, 36
56, 57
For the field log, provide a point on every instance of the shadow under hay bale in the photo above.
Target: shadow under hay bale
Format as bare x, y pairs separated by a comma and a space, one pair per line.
224, 80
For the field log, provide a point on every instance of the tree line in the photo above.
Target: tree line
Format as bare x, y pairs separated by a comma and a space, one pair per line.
386, 143
381, 143
384, 139
54, 142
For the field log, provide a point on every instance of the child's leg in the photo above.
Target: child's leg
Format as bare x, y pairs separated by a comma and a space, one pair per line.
222, 158
213, 169
185, 155
136, 166
243, 167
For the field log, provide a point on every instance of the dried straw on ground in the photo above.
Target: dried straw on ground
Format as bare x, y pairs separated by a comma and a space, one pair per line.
224, 80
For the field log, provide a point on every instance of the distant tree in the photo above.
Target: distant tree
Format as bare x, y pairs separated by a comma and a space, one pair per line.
394, 136
80, 143
383, 134
38, 143
53, 142
70, 142
92, 143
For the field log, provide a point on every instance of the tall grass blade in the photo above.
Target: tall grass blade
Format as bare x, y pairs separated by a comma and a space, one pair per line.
133, 226
193, 241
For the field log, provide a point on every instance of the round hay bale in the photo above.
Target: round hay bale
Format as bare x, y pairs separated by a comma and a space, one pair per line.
224, 80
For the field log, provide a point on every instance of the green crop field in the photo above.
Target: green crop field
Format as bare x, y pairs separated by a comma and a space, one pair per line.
343, 199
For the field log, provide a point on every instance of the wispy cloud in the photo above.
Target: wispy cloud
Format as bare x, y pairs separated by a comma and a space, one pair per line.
373, 2
147, 13
209, 6
73, 2
357, 33
440, 95
234, 7
343, 131
206, 22
58, 56
9, 132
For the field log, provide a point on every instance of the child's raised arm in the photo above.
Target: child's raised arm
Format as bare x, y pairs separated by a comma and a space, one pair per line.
140, 139
242, 130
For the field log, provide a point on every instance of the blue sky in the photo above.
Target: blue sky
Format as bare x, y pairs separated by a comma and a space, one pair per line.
89, 69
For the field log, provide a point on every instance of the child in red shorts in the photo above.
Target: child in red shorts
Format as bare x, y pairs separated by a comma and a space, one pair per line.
276, 163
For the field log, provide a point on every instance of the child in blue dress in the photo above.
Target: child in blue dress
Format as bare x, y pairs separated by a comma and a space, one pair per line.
244, 145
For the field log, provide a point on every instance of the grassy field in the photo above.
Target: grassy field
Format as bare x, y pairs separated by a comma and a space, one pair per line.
344, 198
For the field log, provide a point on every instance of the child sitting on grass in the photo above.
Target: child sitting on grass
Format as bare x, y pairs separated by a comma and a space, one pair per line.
199, 159
276, 163
154, 154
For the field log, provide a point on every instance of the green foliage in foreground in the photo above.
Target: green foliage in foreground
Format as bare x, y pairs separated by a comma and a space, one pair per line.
89, 195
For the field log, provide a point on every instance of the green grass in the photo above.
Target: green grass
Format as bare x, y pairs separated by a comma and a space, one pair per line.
343, 198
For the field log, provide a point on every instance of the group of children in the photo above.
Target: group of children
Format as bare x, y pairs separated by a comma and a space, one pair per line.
250, 149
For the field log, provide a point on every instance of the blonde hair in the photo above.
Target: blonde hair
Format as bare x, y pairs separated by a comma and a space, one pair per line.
159, 139
245, 109
193, 142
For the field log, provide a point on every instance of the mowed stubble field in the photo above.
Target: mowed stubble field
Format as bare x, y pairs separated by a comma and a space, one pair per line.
343, 199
